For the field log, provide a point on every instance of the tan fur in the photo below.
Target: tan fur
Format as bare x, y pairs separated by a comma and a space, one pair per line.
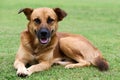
66, 49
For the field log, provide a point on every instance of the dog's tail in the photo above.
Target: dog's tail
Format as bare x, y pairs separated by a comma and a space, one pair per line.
101, 64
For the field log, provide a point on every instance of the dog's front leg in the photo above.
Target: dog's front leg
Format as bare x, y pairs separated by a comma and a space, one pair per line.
39, 67
22, 58
45, 61
21, 69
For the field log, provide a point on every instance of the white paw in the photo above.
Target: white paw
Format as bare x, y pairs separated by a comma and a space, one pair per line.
22, 72
70, 66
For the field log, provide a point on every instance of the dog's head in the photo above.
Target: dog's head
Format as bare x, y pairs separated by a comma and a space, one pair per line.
43, 22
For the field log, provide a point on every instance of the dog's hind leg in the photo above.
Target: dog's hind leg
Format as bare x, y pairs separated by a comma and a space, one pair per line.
71, 50
63, 62
82, 51
81, 63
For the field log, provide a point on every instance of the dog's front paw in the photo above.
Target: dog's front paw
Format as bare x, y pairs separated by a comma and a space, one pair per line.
70, 66
22, 73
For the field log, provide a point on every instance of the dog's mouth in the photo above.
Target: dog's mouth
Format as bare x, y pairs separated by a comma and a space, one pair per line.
44, 40
43, 35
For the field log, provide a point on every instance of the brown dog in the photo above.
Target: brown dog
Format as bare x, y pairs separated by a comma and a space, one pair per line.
41, 45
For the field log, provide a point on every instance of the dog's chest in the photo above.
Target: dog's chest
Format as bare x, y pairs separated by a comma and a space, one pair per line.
42, 53
43, 57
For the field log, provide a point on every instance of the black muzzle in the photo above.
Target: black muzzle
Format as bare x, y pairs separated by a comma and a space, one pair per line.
43, 35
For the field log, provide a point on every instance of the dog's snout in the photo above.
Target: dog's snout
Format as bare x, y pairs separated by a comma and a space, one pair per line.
44, 32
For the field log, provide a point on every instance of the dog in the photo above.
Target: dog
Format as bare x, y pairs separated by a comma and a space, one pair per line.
41, 45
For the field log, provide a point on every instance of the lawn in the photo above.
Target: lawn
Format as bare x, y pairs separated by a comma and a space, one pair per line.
98, 20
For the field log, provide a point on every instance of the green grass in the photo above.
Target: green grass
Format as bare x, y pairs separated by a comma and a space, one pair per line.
98, 20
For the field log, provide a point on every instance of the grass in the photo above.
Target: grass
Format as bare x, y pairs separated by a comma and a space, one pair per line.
98, 20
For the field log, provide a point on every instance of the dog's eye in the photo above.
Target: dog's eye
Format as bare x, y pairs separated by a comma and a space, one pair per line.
37, 20
50, 20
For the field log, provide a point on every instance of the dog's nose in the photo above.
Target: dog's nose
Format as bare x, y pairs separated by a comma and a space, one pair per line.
43, 32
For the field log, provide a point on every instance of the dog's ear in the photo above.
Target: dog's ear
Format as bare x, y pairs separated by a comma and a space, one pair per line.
60, 13
27, 12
